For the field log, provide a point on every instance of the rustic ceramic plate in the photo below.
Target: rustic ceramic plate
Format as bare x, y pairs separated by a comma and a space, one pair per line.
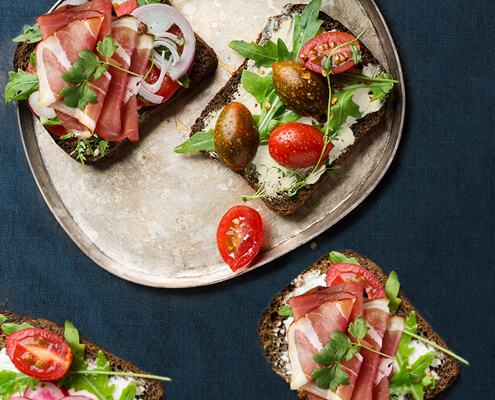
151, 216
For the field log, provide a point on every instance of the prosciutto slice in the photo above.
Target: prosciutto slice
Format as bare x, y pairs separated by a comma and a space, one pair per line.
139, 63
54, 56
376, 314
50, 23
309, 334
109, 126
391, 340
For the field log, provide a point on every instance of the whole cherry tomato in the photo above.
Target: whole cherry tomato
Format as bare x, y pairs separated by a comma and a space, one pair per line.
297, 145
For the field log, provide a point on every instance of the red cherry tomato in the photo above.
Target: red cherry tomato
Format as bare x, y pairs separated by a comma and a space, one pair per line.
297, 145
239, 236
338, 273
39, 353
316, 51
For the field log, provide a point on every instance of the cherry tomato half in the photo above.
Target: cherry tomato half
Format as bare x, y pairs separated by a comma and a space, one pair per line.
316, 51
239, 236
297, 145
39, 353
338, 273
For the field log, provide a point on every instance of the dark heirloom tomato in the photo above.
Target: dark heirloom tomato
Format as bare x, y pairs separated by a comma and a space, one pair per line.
39, 353
236, 136
338, 273
239, 236
297, 145
300, 89
316, 51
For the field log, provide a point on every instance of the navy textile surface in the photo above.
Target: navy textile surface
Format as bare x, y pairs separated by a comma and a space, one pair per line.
430, 219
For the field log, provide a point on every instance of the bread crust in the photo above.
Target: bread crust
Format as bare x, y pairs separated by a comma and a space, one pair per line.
272, 330
279, 203
205, 63
153, 388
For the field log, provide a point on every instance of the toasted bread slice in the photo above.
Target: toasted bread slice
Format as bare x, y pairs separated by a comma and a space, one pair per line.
205, 64
280, 203
153, 389
272, 329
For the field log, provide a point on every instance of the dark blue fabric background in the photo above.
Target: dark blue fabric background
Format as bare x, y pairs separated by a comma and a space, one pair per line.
430, 219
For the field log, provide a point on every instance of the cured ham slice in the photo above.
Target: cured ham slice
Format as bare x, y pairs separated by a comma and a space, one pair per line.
380, 391
309, 334
391, 340
54, 56
376, 314
109, 126
139, 63
300, 305
50, 23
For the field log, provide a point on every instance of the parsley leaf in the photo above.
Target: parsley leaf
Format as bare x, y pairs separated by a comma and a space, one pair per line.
32, 34
21, 86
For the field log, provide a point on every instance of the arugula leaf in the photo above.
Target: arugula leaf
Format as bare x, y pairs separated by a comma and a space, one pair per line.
3, 318
11, 382
71, 335
21, 86
392, 287
96, 384
9, 328
286, 311
338, 258
129, 391
32, 34
144, 2
306, 26
54, 121
200, 141
263, 56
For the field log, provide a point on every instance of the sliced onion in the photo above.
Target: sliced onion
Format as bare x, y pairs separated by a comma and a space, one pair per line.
159, 18
34, 103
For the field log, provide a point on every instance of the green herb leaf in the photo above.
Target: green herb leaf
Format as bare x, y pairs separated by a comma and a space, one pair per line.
330, 378
54, 121
306, 26
3, 318
11, 382
144, 2
263, 56
32, 59
107, 47
286, 311
32, 34
95, 384
358, 328
392, 291
78, 349
9, 328
338, 258
201, 141
129, 392
21, 86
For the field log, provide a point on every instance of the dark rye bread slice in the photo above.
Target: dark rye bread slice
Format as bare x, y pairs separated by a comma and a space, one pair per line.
205, 64
280, 203
153, 389
272, 330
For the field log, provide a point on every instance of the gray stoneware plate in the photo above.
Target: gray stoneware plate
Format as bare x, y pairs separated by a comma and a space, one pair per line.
151, 217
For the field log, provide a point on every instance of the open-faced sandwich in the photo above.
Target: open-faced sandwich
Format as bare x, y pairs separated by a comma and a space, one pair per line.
96, 72
342, 329
40, 360
306, 94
